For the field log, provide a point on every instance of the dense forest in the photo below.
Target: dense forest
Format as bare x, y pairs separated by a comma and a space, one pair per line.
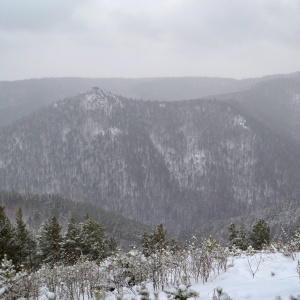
187, 164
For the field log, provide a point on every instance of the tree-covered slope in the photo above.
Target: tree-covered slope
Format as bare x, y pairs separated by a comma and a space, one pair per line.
37, 209
275, 103
185, 164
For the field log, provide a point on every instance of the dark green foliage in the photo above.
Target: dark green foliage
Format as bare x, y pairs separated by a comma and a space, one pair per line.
71, 244
156, 241
243, 241
94, 244
87, 238
25, 244
7, 241
37, 208
92, 239
233, 234
49, 241
238, 238
260, 235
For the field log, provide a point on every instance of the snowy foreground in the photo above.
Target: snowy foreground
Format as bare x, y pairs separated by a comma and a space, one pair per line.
259, 276
276, 276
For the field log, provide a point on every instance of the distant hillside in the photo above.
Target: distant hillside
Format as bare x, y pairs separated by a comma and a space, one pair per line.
19, 98
186, 164
39, 208
275, 103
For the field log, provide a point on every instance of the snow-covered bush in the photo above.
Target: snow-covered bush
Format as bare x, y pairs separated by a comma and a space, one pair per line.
10, 281
220, 294
124, 270
144, 292
181, 291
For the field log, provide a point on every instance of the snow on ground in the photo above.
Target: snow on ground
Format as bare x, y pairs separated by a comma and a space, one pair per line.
276, 276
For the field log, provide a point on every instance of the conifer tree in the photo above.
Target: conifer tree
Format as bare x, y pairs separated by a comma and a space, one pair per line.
156, 241
9, 288
71, 246
233, 234
92, 239
24, 242
243, 242
260, 235
49, 241
7, 241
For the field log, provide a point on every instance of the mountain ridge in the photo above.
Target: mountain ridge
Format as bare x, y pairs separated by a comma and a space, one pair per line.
19, 98
184, 164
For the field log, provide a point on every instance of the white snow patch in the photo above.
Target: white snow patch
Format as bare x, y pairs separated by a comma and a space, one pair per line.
115, 131
100, 100
50, 295
240, 121
2, 290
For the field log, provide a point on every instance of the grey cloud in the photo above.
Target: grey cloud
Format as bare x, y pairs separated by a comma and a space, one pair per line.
149, 37
35, 15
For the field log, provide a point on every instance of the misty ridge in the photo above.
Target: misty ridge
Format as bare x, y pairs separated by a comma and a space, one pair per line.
231, 153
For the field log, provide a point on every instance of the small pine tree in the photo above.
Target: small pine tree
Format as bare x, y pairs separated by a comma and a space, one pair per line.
242, 241
233, 234
182, 292
71, 246
92, 239
156, 241
8, 280
260, 235
49, 241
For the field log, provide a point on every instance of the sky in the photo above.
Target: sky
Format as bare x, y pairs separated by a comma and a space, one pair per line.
148, 38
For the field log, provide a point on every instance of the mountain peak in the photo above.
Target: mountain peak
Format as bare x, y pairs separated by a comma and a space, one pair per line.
98, 99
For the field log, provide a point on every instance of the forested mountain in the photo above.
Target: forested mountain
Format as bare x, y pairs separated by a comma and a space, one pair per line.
186, 164
19, 98
275, 103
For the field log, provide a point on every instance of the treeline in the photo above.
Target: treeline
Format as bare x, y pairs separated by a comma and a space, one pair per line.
38, 208
243, 239
81, 265
51, 245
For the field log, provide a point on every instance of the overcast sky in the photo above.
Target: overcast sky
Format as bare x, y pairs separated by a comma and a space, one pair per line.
148, 38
